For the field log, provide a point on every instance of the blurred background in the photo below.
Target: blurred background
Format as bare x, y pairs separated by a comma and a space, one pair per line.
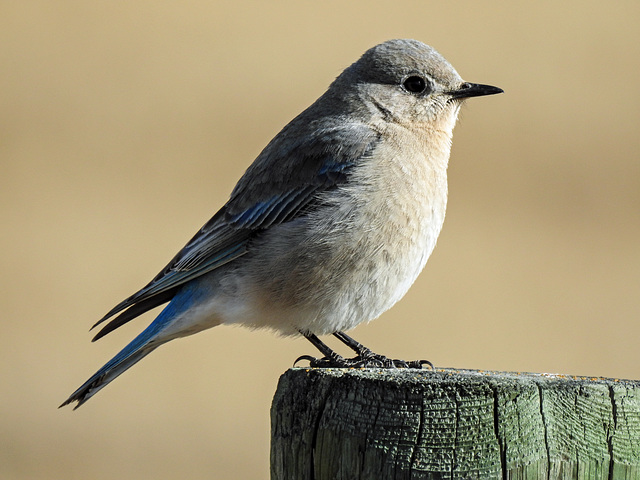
125, 125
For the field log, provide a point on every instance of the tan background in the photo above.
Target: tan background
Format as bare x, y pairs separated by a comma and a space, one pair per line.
124, 126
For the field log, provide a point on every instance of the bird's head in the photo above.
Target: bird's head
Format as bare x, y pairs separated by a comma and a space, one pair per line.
407, 82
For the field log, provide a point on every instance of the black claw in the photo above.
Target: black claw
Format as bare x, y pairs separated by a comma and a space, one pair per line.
305, 357
420, 363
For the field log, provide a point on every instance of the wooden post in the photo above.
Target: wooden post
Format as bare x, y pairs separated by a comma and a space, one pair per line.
332, 424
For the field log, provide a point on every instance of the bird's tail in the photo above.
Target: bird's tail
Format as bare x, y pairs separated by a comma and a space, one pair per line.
139, 348
170, 324
117, 365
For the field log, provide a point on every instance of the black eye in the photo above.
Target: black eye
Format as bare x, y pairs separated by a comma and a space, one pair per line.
415, 84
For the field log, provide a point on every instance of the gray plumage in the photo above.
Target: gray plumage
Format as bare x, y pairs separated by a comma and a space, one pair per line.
330, 225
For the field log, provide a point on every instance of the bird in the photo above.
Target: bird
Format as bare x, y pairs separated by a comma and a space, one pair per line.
327, 228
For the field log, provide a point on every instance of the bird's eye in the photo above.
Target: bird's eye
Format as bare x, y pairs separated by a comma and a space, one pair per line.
415, 84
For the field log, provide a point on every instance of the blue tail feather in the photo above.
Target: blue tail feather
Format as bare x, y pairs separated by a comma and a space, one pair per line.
147, 341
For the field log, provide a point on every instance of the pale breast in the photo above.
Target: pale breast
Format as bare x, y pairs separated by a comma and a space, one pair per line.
355, 257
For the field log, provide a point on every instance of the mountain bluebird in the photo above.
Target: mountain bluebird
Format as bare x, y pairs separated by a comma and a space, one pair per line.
329, 226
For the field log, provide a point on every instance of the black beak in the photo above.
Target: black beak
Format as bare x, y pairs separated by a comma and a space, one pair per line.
474, 90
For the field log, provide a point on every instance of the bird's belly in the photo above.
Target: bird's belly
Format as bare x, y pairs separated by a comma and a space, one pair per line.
351, 259
380, 271
334, 275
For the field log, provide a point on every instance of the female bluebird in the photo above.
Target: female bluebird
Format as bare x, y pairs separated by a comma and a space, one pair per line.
329, 226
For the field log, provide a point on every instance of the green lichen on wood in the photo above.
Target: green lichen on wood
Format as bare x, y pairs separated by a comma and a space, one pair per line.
451, 424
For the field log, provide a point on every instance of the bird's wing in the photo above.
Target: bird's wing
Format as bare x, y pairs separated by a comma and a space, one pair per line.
280, 185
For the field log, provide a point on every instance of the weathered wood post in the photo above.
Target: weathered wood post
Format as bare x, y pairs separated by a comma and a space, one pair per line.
331, 424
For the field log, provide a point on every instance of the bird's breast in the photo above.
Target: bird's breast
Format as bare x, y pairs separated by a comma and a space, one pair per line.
376, 234
354, 257
400, 217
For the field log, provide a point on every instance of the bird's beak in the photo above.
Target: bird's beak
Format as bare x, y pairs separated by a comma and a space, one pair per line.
474, 90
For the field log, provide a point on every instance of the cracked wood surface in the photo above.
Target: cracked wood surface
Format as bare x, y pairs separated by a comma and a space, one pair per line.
453, 424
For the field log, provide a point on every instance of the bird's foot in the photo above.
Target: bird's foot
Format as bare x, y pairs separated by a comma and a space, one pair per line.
367, 359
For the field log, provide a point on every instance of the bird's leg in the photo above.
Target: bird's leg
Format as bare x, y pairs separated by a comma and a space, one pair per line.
362, 351
365, 357
331, 358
